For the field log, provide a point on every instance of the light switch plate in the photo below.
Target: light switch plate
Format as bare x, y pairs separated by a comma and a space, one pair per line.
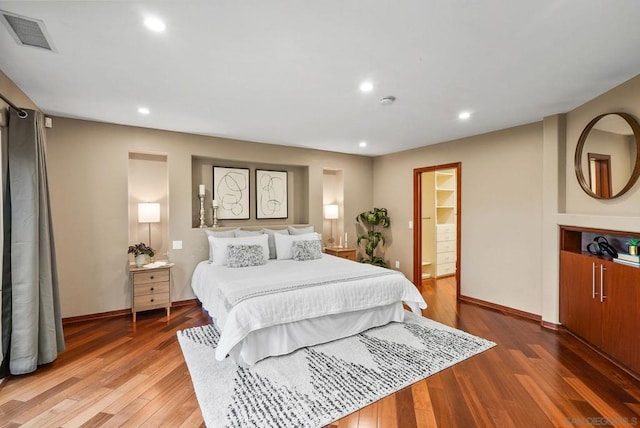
177, 245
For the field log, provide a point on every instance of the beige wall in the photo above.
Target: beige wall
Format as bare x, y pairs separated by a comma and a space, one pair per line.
501, 211
88, 172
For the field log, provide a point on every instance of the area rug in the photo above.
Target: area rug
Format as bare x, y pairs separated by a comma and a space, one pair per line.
314, 386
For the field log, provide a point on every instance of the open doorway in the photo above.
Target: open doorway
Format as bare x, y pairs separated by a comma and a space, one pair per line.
436, 224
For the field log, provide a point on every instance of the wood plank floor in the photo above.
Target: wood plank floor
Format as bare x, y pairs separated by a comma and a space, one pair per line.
114, 373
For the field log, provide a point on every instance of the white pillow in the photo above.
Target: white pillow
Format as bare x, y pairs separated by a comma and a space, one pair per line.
219, 234
284, 243
272, 242
220, 246
300, 230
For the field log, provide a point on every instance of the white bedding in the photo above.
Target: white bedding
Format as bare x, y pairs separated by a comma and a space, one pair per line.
275, 294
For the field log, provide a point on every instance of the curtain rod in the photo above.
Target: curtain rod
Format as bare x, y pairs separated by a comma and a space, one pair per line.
21, 113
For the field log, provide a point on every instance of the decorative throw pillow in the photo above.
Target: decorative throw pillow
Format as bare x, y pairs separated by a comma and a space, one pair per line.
284, 243
245, 255
299, 230
218, 234
307, 250
272, 242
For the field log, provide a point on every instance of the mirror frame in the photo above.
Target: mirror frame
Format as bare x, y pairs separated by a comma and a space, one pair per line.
635, 127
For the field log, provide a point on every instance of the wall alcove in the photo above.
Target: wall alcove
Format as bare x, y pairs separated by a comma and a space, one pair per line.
297, 192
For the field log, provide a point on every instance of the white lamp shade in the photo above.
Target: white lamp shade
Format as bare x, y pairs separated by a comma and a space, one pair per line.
149, 212
331, 211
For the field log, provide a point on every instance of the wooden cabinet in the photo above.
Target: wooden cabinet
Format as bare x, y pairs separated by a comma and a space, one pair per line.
621, 316
599, 299
581, 310
345, 253
151, 289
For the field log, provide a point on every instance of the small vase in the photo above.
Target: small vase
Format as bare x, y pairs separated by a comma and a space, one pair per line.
633, 250
140, 260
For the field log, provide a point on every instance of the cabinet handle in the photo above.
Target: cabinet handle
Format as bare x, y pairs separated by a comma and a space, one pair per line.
593, 281
602, 296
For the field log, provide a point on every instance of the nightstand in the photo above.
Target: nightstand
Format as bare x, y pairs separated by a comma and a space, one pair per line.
345, 253
151, 289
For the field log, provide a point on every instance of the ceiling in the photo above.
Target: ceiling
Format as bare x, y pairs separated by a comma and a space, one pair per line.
288, 71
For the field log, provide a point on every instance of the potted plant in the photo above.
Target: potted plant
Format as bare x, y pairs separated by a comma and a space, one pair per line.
633, 246
140, 251
372, 221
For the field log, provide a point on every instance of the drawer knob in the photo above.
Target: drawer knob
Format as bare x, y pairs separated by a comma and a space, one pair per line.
152, 300
151, 289
151, 276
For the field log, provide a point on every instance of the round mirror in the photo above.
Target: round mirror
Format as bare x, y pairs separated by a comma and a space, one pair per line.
607, 160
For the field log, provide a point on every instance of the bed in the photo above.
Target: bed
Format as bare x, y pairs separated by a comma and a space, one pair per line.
284, 304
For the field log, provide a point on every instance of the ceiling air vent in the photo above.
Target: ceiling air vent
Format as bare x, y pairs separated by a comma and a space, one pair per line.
27, 31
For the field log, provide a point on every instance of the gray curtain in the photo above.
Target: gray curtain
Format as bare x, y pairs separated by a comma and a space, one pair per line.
32, 323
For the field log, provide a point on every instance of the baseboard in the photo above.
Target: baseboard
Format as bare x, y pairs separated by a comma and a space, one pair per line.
91, 317
120, 312
189, 302
550, 325
504, 309
511, 311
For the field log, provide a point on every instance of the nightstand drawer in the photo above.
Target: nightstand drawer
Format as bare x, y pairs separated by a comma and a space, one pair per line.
159, 300
150, 288
148, 277
349, 255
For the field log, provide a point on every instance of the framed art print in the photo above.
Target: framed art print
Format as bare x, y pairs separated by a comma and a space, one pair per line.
231, 191
271, 194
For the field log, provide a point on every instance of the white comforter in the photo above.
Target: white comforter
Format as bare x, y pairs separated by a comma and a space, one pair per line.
364, 286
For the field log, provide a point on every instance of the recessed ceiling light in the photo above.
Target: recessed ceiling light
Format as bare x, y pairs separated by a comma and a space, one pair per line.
363, 144
155, 24
366, 86
143, 110
464, 115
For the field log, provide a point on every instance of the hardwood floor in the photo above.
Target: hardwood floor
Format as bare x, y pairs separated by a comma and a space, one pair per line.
114, 373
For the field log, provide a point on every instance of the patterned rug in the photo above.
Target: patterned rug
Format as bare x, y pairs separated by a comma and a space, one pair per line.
314, 386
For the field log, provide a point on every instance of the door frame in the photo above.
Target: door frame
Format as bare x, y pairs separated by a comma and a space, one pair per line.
417, 223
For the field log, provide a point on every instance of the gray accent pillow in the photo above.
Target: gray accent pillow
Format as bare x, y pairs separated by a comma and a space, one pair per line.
239, 232
245, 255
218, 234
273, 254
299, 230
306, 250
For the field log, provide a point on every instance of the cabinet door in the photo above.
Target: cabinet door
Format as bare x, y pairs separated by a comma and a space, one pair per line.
621, 328
580, 307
